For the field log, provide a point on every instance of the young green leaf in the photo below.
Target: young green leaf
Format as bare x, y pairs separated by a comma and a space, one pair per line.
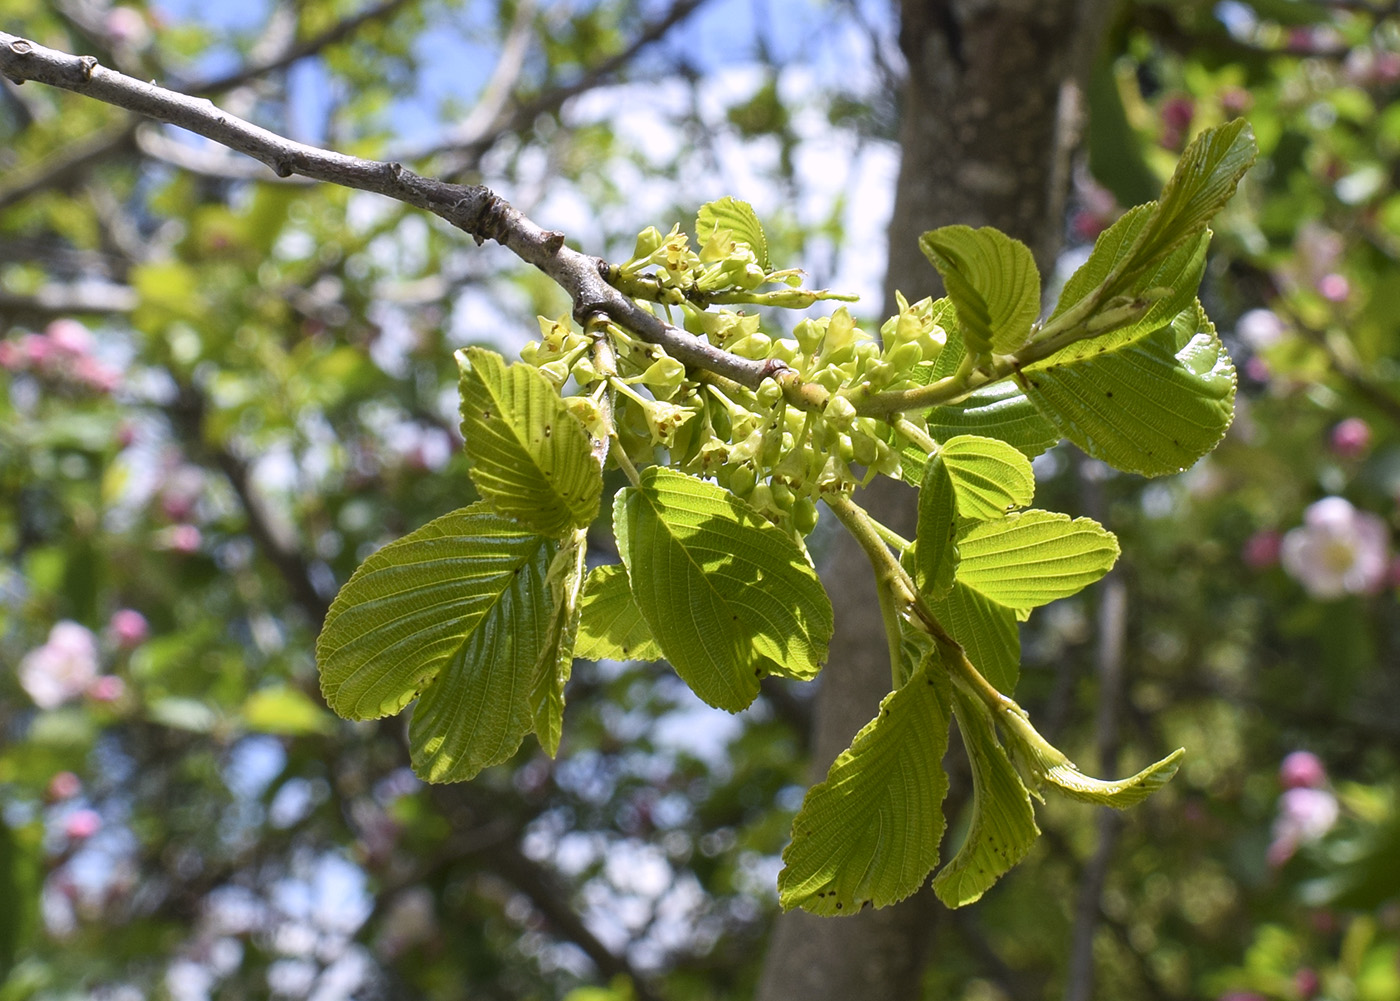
990, 476
935, 549
531, 457
410, 608
1204, 180
1175, 280
1003, 827
612, 627
869, 833
1031, 558
478, 709
1152, 407
556, 661
992, 280
986, 630
1049, 766
741, 221
728, 595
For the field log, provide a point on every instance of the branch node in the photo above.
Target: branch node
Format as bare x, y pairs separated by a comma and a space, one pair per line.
553, 241
21, 46
282, 166
773, 366
393, 168
88, 64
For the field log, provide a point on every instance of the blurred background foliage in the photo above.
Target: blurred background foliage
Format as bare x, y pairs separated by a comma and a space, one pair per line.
221, 391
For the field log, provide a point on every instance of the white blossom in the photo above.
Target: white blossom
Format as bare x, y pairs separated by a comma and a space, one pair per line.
62, 668
1338, 550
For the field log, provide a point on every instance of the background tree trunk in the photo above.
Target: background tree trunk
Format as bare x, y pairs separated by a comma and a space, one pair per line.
991, 115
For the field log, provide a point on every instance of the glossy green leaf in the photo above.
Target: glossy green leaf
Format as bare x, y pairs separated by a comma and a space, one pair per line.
728, 595
741, 221
1049, 766
990, 476
935, 548
1152, 407
612, 627
986, 630
869, 833
410, 607
1003, 828
556, 661
992, 280
531, 457
1031, 558
1175, 280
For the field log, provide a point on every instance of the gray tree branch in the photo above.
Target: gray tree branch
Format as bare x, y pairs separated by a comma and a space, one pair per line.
474, 209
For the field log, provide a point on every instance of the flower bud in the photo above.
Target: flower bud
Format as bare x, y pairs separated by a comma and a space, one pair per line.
648, 242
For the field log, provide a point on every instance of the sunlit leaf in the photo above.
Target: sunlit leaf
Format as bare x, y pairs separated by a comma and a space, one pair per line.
869, 833
741, 221
992, 280
1032, 558
728, 595
986, 630
1002, 827
612, 627
1152, 407
556, 658
935, 549
531, 457
990, 476
284, 710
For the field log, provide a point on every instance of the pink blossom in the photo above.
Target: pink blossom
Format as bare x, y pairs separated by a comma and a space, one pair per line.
1351, 439
1337, 550
62, 668
82, 824
39, 350
1304, 816
70, 337
11, 356
1235, 101
127, 26
107, 688
180, 492
95, 375
1306, 983
128, 627
1302, 770
1334, 287
64, 785
1261, 549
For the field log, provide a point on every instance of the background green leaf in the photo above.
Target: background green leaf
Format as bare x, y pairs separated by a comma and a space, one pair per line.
869, 833
532, 459
728, 595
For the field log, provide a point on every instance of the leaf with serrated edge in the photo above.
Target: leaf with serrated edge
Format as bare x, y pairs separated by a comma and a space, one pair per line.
410, 607
612, 627
869, 833
1180, 272
741, 221
1152, 407
992, 280
1031, 558
556, 661
1204, 180
1000, 410
531, 458
478, 709
1003, 827
935, 550
1051, 767
986, 630
728, 595
990, 476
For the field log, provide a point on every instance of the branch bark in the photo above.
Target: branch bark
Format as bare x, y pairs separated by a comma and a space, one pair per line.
474, 209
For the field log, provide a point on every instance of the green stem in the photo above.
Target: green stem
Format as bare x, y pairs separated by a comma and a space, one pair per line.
915, 435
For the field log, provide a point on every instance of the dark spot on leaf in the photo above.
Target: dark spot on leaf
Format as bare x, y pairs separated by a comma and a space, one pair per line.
486, 415
548, 430
838, 905
1109, 394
